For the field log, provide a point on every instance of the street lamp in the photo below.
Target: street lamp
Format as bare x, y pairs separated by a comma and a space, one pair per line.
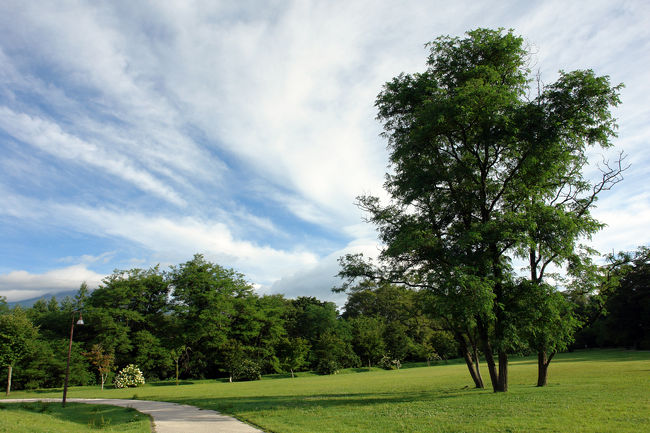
67, 368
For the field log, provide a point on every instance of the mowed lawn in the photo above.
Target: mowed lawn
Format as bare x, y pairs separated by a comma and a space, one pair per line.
41, 417
588, 391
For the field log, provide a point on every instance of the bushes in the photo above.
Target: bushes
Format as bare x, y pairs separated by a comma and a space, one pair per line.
130, 376
327, 366
389, 364
247, 369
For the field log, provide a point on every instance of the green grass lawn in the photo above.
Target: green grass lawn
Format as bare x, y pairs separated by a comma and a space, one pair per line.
74, 418
588, 391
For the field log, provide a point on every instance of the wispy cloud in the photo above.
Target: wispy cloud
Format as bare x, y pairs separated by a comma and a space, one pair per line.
166, 239
49, 137
245, 131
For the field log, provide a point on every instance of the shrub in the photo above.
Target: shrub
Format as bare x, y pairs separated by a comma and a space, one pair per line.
327, 366
247, 369
389, 364
130, 376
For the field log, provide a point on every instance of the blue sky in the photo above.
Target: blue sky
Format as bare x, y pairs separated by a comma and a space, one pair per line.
137, 133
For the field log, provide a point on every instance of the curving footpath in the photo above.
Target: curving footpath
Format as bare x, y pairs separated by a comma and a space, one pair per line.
167, 417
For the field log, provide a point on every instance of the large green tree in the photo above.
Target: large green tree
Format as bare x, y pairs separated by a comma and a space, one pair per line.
207, 303
476, 160
16, 333
128, 314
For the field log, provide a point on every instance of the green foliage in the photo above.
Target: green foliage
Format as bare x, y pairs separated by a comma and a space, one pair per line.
333, 351
619, 314
205, 298
152, 357
368, 338
16, 332
246, 369
388, 363
293, 354
16, 335
327, 365
480, 173
546, 318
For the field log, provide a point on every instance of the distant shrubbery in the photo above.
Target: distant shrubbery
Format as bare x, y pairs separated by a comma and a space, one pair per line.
389, 364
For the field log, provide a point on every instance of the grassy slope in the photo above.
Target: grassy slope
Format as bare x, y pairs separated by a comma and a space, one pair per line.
74, 418
591, 391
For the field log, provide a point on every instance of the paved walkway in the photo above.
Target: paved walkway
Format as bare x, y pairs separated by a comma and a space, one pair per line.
168, 417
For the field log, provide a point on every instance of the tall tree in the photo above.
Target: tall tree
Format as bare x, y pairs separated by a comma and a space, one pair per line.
469, 150
205, 297
16, 332
128, 315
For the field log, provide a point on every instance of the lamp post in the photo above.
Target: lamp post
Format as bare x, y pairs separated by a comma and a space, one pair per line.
67, 368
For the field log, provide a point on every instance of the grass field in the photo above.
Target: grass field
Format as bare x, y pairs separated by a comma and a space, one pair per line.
588, 391
74, 418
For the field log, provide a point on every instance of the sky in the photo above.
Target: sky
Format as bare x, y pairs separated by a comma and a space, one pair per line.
136, 133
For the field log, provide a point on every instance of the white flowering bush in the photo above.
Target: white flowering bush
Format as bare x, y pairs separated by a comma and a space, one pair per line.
129, 376
389, 364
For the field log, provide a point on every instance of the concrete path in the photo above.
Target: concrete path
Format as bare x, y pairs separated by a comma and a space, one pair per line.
168, 417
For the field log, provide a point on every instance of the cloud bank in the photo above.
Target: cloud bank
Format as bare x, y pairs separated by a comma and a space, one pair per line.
245, 131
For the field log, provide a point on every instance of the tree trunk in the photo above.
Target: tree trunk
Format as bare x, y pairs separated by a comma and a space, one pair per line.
471, 366
103, 377
489, 356
9, 371
292, 376
503, 372
176, 372
477, 362
543, 360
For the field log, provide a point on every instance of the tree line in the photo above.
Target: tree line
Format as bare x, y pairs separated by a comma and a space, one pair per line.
200, 320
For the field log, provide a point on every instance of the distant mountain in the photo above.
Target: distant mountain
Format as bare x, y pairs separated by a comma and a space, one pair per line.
27, 303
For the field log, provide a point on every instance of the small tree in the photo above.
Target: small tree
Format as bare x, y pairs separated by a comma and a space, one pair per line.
178, 354
547, 322
16, 331
102, 360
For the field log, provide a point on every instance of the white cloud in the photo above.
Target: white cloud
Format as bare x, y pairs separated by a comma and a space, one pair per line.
169, 240
319, 279
87, 259
18, 285
49, 138
627, 220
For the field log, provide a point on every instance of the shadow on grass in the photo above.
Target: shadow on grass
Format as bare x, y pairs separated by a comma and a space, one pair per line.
180, 383
94, 416
238, 405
